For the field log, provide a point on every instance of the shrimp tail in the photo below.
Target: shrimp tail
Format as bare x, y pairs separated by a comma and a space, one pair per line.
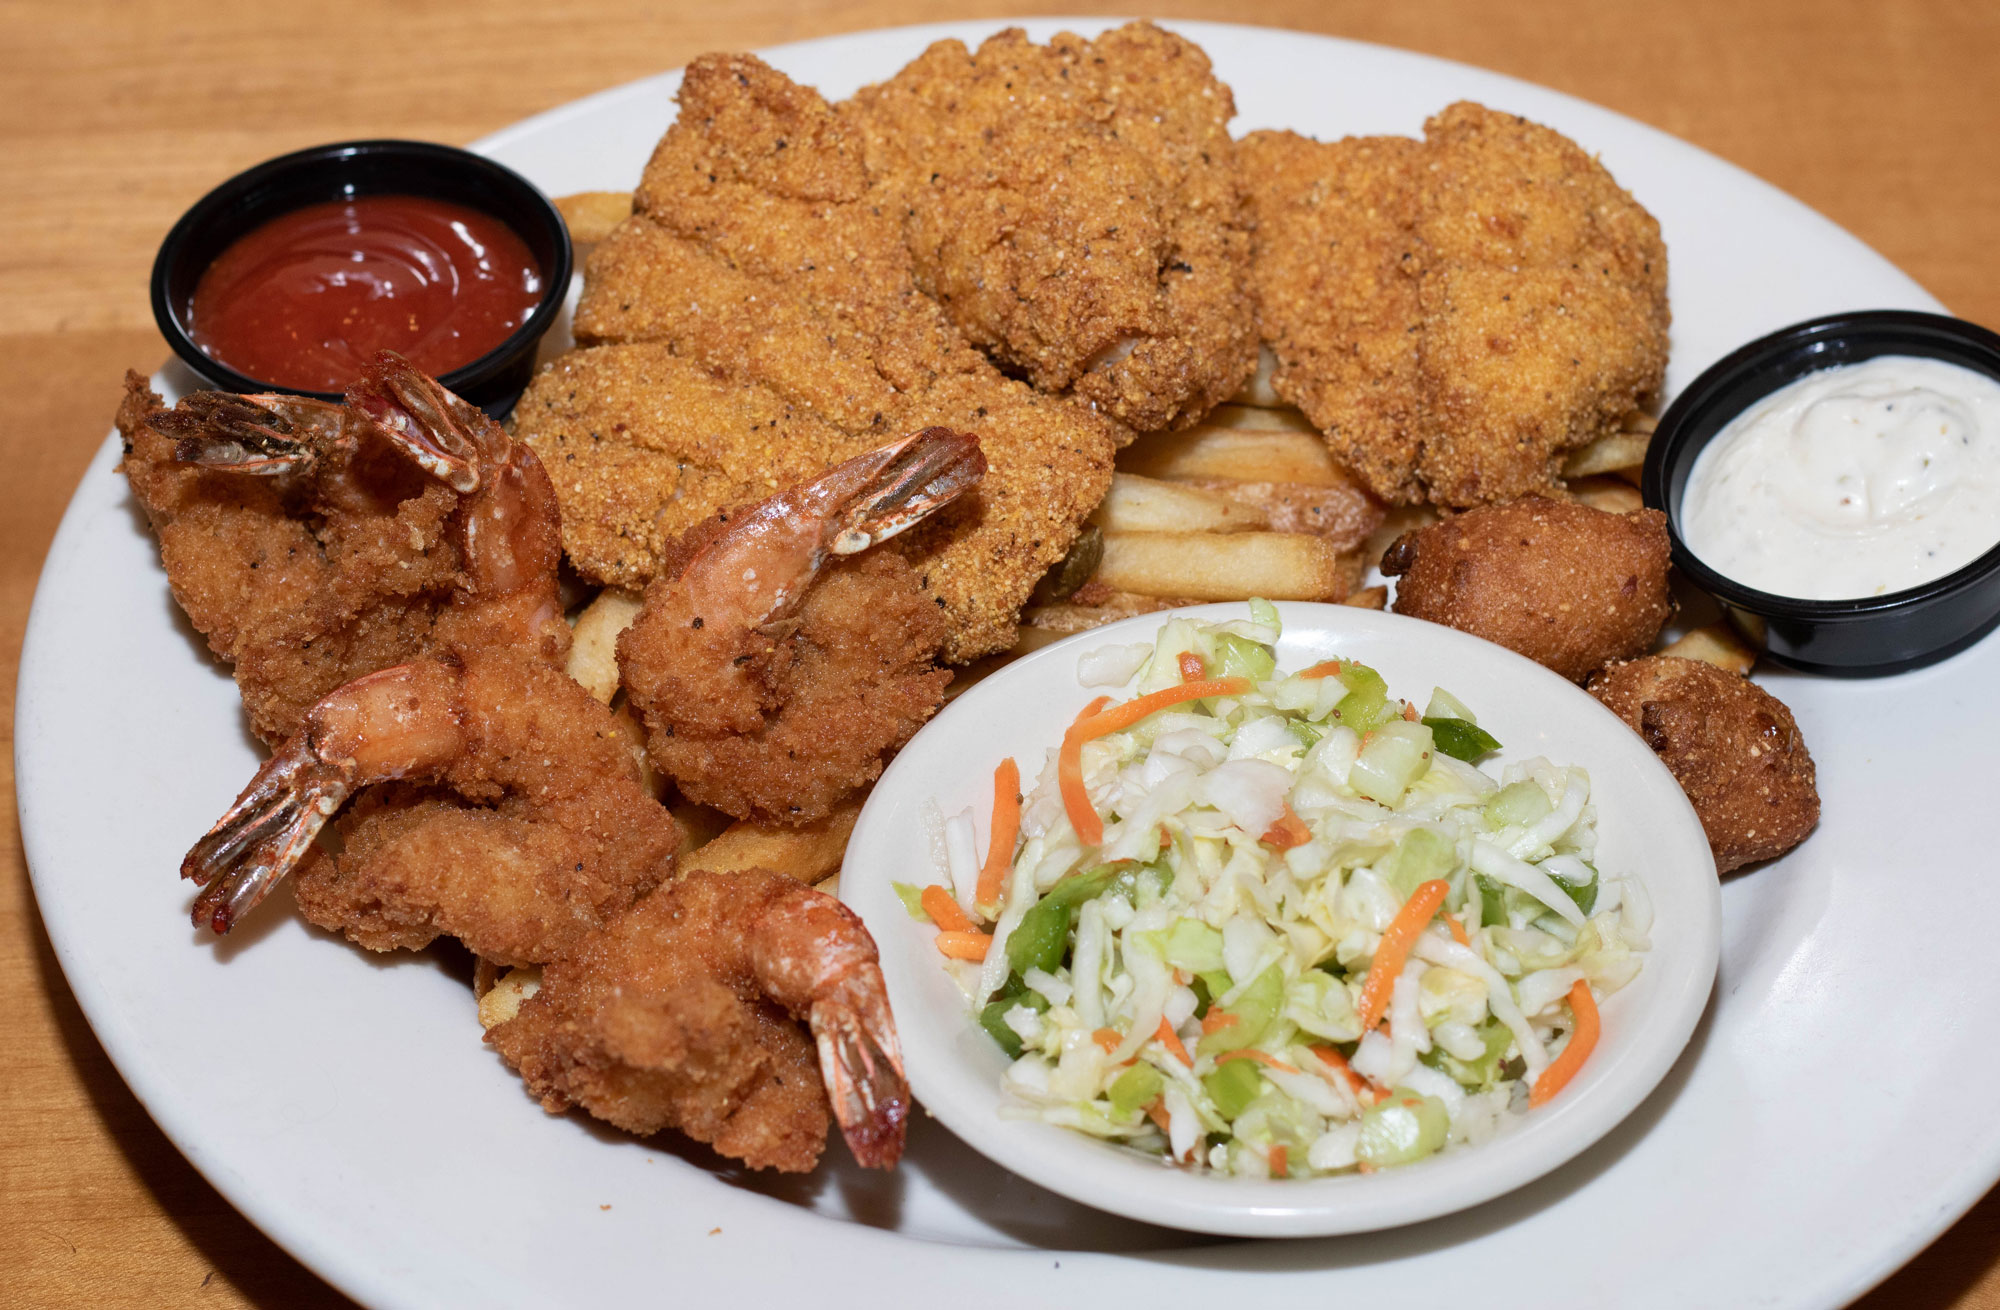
266, 832
915, 478
862, 1065
435, 428
218, 430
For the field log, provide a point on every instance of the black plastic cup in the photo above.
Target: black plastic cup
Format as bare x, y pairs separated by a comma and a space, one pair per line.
1851, 638
341, 171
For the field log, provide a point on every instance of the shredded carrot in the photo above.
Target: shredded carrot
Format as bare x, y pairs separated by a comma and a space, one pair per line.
1410, 714
1006, 826
1289, 831
1182, 977
1166, 1036
1395, 949
1581, 1043
1120, 717
1192, 667
1108, 1038
1328, 668
1364, 1168
1279, 1159
1094, 723
944, 911
963, 945
1337, 1062
1457, 929
1157, 1112
1069, 779
1216, 1020
1251, 1053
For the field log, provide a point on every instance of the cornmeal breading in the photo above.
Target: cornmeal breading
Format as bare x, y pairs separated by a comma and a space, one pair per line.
1455, 313
1074, 207
757, 321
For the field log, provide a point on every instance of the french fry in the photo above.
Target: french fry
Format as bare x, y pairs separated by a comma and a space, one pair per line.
1608, 494
590, 215
1222, 566
700, 825
1717, 644
1252, 418
1613, 452
1142, 504
1368, 598
1246, 455
593, 643
1258, 392
1092, 607
809, 852
1344, 515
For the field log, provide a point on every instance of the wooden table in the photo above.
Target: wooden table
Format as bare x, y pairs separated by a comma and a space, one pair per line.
118, 115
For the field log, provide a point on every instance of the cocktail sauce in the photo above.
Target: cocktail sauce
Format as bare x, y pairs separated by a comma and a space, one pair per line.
306, 299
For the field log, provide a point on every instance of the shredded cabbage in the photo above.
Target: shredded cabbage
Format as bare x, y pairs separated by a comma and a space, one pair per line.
1256, 849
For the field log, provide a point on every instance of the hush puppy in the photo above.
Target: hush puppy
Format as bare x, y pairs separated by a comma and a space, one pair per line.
1733, 747
1570, 587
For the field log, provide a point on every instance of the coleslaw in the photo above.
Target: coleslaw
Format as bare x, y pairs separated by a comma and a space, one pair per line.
1282, 925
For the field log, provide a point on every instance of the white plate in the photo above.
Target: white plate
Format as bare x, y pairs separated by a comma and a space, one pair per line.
1825, 1123
1646, 829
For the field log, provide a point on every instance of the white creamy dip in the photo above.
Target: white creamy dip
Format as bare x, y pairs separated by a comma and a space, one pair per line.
1852, 482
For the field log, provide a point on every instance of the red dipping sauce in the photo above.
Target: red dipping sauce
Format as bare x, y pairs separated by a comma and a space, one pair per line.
308, 298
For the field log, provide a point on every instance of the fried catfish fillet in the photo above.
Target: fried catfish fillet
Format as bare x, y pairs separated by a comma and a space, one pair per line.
1075, 209
755, 322
1528, 293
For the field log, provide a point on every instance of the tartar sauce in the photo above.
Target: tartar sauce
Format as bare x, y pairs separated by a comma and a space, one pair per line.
1851, 482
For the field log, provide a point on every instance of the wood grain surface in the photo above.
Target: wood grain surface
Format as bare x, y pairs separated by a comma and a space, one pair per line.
116, 116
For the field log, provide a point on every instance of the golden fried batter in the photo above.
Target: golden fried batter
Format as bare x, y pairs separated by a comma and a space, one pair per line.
1733, 747
755, 322
537, 831
849, 683
1458, 312
681, 1015
1570, 587
1336, 280
1074, 208
300, 595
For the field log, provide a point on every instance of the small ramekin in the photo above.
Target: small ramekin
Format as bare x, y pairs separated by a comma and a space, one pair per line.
495, 380
1851, 638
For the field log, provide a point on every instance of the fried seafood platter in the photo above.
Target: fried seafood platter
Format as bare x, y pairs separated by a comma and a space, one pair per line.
867, 398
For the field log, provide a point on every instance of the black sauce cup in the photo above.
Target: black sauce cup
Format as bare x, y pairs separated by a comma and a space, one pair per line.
495, 380
1851, 638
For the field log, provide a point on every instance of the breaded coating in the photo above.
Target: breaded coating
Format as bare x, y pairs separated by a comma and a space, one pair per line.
853, 678
1733, 747
300, 594
539, 832
682, 1014
1545, 303
1570, 587
1455, 313
1336, 278
754, 323
1074, 207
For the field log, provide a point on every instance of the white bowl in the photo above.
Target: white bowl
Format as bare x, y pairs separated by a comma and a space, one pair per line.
1645, 827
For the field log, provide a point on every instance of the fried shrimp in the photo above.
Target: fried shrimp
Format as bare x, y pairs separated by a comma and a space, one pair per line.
530, 827
1570, 587
1734, 748
1075, 210
771, 689
311, 543
682, 1014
